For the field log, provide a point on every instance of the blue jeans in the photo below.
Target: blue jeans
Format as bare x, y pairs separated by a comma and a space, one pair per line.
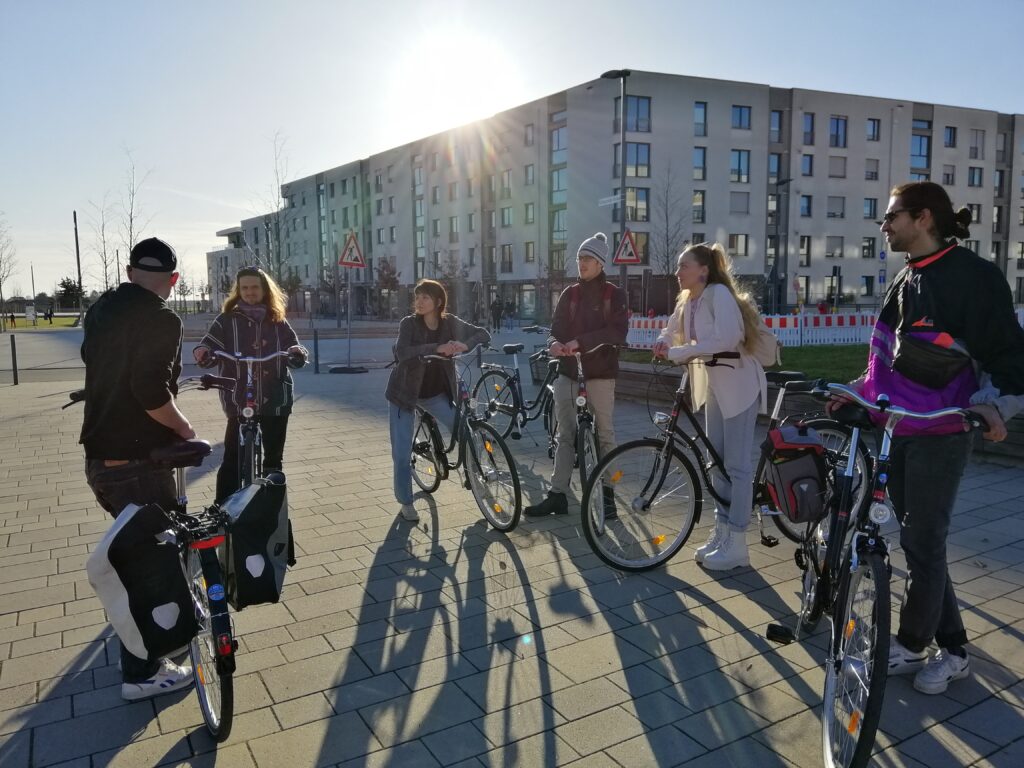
402, 423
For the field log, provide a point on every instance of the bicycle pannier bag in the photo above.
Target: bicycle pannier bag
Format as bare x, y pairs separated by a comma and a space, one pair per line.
136, 573
796, 473
259, 547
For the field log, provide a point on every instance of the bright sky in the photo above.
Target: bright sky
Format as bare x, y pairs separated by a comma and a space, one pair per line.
196, 90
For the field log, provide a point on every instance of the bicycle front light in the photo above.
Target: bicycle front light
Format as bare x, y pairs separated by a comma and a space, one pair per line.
661, 419
879, 512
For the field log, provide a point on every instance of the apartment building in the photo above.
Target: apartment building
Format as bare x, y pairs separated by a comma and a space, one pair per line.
791, 181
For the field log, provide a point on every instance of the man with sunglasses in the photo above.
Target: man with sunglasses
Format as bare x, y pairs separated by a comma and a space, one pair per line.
946, 336
132, 355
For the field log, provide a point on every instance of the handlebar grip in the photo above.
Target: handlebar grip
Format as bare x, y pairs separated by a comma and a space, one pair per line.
977, 421
794, 387
208, 381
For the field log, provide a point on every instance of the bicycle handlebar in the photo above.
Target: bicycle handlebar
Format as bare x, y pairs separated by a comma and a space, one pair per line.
884, 406
240, 359
451, 357
535, 329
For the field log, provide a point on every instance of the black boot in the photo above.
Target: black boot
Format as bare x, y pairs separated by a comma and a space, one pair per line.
554, 504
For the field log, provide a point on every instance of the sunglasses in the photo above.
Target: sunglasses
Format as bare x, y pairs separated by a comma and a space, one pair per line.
890, 217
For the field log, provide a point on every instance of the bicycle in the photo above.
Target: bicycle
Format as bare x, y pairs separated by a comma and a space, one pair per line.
655, 490
846, 576
490, 473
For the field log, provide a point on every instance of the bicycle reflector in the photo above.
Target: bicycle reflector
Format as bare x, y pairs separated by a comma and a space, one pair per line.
224, 645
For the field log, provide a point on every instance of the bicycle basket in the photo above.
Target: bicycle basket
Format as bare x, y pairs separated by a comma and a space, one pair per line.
539, 365
796, 475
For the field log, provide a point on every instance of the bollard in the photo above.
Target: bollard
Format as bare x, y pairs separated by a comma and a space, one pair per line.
316, 350
14, 359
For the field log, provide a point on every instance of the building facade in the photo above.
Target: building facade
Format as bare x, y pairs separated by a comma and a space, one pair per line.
791, 181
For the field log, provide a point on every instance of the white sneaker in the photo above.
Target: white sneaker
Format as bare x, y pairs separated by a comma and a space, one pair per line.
409, 513
170, 677
940, 670
731, 552
717, 532
902, 661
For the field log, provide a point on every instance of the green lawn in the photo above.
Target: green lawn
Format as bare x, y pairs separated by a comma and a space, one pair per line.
42, 325
838, 362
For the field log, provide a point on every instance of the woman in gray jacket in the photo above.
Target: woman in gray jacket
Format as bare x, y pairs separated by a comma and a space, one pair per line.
429, 331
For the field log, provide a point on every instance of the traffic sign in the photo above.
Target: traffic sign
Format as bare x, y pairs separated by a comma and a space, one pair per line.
881, 255
626, 253
351, 256
881, 277
610, 200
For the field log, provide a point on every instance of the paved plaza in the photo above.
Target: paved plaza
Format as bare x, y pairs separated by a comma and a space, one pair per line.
445, 643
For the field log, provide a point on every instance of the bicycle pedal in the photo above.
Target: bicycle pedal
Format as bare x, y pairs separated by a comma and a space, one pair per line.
777, 633
516, 435
768, 540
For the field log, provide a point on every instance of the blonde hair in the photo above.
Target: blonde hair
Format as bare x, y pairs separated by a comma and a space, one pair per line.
714, 257
273, 298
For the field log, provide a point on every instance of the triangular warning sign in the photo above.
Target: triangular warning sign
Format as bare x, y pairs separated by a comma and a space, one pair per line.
351, 256
626, 253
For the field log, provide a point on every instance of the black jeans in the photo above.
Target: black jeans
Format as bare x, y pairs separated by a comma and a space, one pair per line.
923, 483
274, 429
137, 482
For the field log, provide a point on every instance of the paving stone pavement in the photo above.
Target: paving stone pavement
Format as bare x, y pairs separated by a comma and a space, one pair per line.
445, 643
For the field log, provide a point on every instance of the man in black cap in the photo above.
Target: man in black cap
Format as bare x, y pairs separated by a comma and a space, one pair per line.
132, 354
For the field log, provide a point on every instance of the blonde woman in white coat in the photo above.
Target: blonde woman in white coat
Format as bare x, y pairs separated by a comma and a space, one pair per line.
711, 317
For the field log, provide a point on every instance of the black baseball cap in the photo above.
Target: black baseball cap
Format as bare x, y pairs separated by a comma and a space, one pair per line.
153, 255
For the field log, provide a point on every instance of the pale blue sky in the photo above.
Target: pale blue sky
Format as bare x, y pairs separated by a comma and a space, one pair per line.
196, 90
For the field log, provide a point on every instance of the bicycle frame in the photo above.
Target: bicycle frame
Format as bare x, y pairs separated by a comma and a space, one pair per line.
529, 410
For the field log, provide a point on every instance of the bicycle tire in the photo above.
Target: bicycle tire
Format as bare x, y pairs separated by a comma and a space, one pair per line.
836, 438
860, 653
214, 690
586, 453
499, 399
492, 476
644, 532
249, 454
426, 467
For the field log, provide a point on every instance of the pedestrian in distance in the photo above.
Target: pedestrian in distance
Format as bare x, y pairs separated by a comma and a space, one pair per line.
496, 310
132, 355
588, 313
510, 314
430, 330
252, 323
711, 316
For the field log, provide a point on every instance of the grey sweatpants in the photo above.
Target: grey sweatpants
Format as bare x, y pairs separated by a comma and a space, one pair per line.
733, 439
601, 403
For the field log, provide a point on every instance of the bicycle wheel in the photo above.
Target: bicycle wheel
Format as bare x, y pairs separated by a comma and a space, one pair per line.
640, 506
858, 665
836, 439
215, 691
492, 476
426, 466
586, 453
248, 453
498, 397
661, 388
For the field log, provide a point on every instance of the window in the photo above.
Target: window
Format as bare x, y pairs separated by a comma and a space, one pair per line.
638, 160
469, 187
997, 218
559, 186
559, 226
529, 254
528, 175
837, 131
637, 204
378, 182
506, 217
506, 184
490, 219
453, 225
805, 206
471, 222
698, 237
874, 129
380, 235
380, 206
867, 285
435, 227
557, 258
1000, 147
871, 208
975, 209
998, 181
489, 263
528, 135
471, 256
698, 206
867, 247
331, 189
833, 247
921, 125
506, 258
836, 207
559, 145
920, 151
700, 159
836, 167
977, 149
528, 214
806, 165
974, 178
949, 136
972, 245
774, 164
393, 234
700, 118
739, 202
453, 191
435, 195
344, 186
739, 165
305, 222
805, 250
808, 128
741, 117
775, 126
949, 175
344, 218
871, 169
737, 245
638, 114
334, 219
1020, 215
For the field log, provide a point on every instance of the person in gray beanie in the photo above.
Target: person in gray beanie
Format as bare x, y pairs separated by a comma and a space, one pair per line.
589, 313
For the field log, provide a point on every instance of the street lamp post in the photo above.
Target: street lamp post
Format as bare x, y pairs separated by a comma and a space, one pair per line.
621, 75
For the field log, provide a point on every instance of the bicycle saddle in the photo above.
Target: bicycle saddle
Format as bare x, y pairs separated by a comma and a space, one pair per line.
186, 453
784, 377
511, 349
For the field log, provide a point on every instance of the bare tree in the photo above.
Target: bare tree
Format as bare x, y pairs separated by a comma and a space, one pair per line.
668, 226
101, 219
132, 222
454, 275
278, 216
8, 263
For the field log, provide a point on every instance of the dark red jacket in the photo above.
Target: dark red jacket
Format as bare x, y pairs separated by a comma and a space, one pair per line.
592, 324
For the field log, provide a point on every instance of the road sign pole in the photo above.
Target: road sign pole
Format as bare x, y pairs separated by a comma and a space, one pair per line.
351, 257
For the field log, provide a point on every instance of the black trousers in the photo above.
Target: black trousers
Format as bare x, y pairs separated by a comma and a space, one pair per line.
274, 429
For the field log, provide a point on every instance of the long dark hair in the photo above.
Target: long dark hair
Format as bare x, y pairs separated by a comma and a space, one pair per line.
915, 196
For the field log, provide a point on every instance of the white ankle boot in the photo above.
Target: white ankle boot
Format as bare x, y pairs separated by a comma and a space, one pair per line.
731, 552
711, 544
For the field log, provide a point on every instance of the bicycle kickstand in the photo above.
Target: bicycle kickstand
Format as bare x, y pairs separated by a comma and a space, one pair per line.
767, 540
